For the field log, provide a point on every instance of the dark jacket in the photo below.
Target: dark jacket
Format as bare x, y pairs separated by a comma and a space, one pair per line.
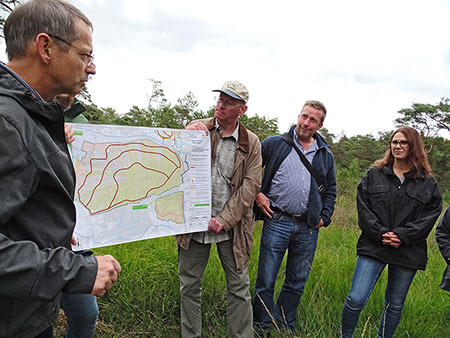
409, 210
320, 206
37, 214
443, 241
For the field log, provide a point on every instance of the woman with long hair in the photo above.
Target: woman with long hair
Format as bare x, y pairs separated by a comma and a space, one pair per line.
398, 203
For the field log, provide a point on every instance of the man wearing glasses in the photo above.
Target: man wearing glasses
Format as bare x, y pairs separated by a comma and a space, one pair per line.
49, 46
235, 181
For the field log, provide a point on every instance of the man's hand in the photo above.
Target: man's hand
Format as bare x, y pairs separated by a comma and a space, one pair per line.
107, 274
320, 224
69, 133
264, 204
73, 241
214, 225
198, 126
391, 239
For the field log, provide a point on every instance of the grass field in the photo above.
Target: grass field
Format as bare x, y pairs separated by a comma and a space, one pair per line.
145, 301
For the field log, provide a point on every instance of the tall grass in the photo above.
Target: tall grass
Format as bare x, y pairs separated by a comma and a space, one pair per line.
145, 301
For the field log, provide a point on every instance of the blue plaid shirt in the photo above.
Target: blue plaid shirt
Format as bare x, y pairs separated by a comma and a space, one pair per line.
290, 186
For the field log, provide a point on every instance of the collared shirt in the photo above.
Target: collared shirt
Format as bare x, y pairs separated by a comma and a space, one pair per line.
221, 174
289, 190
22, 81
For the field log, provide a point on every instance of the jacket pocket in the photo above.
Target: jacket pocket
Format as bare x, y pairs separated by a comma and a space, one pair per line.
422, 196
378, 195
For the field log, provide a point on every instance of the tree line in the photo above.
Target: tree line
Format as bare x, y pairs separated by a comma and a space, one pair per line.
353, 155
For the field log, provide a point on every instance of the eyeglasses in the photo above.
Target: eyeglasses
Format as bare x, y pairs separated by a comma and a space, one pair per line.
401, 143
228, 103
88, 59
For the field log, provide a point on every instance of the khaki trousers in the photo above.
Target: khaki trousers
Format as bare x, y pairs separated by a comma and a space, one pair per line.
191, 266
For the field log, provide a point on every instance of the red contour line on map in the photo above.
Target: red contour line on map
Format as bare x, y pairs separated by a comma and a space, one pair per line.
105, 168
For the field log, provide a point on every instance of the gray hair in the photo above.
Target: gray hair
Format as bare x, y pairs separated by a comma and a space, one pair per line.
54, 17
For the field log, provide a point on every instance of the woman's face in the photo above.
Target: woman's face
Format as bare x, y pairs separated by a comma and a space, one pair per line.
399, 146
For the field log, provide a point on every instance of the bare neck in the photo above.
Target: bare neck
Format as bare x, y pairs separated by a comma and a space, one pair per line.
400, 167
306, 143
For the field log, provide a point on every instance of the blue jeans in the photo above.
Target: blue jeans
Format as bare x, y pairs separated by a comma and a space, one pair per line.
367, 272
280, 234
81, 311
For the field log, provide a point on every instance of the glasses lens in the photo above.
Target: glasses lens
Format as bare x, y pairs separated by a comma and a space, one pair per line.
401, 143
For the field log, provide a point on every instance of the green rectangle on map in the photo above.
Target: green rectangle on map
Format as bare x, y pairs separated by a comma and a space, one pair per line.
78, 133
201, 205
139, 207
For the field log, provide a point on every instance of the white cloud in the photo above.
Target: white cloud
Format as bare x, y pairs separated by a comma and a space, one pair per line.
365, 60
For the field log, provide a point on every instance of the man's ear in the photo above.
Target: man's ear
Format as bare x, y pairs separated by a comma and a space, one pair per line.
44, 46
243, 110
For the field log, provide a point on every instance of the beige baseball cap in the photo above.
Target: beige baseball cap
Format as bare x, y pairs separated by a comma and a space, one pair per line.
234, 89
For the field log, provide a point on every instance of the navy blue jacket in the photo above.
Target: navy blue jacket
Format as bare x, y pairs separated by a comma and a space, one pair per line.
320, 206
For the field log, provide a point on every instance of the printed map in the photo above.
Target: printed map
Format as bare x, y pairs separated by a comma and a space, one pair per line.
135, 183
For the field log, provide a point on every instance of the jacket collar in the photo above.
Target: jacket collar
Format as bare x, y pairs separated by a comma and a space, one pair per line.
321, 143
14, 87
243, 141
389, 170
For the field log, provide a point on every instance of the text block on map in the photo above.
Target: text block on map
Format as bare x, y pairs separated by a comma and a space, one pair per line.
135, 183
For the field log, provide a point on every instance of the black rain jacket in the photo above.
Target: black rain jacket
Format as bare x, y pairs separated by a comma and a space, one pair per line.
409, 209
37, 214
443, 241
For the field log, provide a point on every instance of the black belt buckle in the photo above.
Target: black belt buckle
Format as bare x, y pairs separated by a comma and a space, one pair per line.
299, 217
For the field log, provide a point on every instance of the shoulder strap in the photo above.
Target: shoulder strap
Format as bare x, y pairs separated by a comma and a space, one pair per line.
305, 161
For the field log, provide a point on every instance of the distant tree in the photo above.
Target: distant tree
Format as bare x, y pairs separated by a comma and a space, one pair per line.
365, 148
95, 114
439, 159
262, 126
157, 97
428, 119
329, 137
348, 177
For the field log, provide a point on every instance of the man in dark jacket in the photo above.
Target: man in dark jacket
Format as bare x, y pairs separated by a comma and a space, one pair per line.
49, 45
294, 208
443, 241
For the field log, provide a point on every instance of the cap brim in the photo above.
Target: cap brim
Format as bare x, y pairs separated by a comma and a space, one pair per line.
233, 95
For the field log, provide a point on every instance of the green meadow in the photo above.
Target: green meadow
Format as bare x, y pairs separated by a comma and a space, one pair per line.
145, 300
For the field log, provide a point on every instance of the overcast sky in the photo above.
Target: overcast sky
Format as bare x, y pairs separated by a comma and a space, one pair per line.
365, 60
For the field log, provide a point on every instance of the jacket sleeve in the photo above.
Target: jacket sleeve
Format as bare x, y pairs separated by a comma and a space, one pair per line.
417, 231
241, 201
443, 235
328, 196
26, 271
368, 221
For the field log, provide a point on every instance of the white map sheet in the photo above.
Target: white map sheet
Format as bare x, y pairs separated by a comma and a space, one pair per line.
135, 183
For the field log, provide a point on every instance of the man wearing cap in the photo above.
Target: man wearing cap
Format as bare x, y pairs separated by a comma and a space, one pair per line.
294, 202
235, 181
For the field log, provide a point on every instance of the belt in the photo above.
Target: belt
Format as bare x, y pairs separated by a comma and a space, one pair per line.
295, 217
